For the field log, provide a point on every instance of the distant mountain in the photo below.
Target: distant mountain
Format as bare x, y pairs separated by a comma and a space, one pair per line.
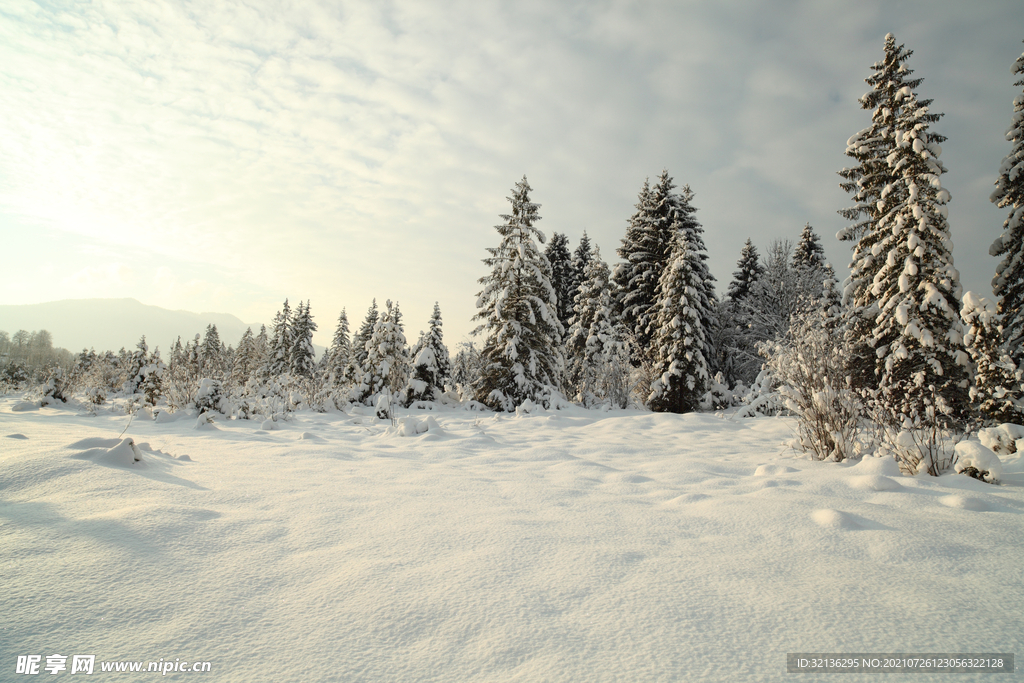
109, 324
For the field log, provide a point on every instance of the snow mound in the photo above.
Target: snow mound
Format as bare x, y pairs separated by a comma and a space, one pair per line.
885, 467
184, 457
874, 482
205, 422
1005, 439
268, 425
772, 470
309, 436
964, 503
978, 461
16, 436
23, 406
124, 454
526, 408
411, 426
828, 518
163, 417
95, 442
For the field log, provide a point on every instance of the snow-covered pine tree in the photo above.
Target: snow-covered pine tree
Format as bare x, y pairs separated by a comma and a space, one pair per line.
916, 333
637, 276
522, 358
339, 362
1008, 283
597, 357
466, 369
387, 364
280, 351
557, 253
997, 394
303, 356
211, 354
682, 370
261, 353
151, 379
749, 268
362, 337
872, 182
134, 363
580, 258
431, 363
245, 362
809, 254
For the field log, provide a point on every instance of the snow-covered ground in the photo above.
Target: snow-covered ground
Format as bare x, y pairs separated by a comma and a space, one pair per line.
566, 546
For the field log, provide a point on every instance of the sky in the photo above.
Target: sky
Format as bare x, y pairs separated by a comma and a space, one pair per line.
225, 156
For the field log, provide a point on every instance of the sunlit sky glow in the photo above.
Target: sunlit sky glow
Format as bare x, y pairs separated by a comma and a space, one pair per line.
223, 156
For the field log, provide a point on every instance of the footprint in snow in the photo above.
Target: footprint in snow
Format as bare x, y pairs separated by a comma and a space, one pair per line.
772, 470
16, 436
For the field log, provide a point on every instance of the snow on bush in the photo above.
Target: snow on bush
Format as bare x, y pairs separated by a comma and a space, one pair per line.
978, 461
1005, 439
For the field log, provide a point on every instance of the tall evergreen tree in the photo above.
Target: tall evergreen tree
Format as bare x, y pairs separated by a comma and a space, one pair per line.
872, 183
682, 369
261, 352
749, 269
580, 259
557, 253
637, 275
303, 356
1008, 283
915, 335
280, 351
339, 357
211, 354
517, 308
245, 361
362, 337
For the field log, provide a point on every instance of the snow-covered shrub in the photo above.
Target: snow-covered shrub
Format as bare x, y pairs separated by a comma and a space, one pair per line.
977, 461
996, 392
1004, 439
59, 386
13, 375
718, 396
923, 441
762, 398
209, 397
809, 366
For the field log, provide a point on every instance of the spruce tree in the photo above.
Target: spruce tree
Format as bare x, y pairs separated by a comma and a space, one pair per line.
1008, 283
387, 365
915, 335
580, 259
245, 361
809, 254
303, 356
996, 394
517, 309
362, 337
557, 253
682, 369
431, 364
279, 354
637, 276
211, 354
339, 361
597, 356
749, 268
873, 182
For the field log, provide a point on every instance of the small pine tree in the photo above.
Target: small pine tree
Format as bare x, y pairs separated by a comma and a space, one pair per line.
339, 367
580, 259
1008, 283
682, 369
749, 269
598, 358
809, 254
244, 364
997, 394
557, 253
362, 337
517, 307
387, 360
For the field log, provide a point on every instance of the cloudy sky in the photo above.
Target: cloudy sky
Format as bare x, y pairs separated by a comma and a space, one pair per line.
221, 156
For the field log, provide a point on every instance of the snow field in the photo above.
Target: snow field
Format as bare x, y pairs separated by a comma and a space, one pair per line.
562, 546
